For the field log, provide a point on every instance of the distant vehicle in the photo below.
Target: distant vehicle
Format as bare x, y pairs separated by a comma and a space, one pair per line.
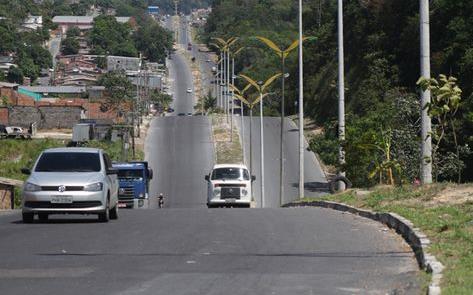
181, 114
208, 60
170, 110
189, 114
189, 90
214, 69
3, 131
71, 181
17, 132
229, 185
134, 179
189, 46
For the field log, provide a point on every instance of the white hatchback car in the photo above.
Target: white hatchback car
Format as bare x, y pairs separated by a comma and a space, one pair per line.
229, 185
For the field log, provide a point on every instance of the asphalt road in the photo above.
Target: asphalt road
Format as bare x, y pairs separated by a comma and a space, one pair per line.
187, 249
314, 178
205, 251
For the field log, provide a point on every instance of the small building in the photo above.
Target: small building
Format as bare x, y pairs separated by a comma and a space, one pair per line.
33, 22
123, 63
65, 22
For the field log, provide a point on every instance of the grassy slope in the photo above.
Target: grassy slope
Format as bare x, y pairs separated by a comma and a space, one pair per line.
444, 212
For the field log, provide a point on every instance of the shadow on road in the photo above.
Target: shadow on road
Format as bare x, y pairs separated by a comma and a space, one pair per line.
314, 186
307, 255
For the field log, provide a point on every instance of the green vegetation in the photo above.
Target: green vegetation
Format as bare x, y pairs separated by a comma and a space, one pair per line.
120, 91
109, 37
382, 58
443, 212
16, 154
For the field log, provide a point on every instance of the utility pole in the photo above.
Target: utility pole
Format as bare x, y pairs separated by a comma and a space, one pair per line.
341, 89
228, 82
301, 108
262, 143
232, 99
426, 130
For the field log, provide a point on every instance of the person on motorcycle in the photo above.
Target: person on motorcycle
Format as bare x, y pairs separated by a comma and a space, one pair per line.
161, 200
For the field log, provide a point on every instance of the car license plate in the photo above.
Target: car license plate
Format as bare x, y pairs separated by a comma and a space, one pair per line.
121, 205
61, 199
230, 200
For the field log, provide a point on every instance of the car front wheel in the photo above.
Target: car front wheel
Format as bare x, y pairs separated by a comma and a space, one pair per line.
104, 216
114, 212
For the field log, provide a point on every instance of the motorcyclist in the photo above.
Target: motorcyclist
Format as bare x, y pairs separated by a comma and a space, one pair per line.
161, 200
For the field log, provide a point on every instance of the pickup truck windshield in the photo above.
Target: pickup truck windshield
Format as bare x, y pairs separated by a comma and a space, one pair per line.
230, 173
130, 174
69, 162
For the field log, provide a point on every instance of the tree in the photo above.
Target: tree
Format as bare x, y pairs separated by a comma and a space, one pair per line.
446, 100
15, 75
119, 89
153, 41
70, 46
161, 100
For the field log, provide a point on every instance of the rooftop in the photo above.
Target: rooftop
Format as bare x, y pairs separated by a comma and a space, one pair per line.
83, 19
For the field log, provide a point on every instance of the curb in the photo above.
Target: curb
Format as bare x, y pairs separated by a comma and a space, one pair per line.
412, 235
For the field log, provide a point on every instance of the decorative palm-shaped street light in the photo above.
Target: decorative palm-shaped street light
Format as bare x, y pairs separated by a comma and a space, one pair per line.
261, 86
240, 94
250, 102
225, 47
283, 55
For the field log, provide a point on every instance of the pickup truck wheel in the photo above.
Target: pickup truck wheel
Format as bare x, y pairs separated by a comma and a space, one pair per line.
114, 212
43, 216
27, 217
104, 216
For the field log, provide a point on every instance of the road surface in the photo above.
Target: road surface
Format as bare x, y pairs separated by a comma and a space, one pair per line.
187, 249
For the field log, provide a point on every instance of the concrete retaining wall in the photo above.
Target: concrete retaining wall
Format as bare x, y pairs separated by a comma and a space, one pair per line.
47, 117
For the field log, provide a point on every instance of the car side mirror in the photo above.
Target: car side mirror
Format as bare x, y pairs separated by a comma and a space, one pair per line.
207, 177
112, 171
150, 173
253, 178
26, 171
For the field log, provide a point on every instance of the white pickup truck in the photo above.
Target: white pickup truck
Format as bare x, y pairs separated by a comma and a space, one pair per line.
229, 185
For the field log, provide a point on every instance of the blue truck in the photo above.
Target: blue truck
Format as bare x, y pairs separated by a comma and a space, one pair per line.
134, 179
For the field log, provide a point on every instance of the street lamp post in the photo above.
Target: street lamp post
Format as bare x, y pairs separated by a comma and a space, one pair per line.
341, 90
260, 83
283, 55
260, 87
426, 129
301, 109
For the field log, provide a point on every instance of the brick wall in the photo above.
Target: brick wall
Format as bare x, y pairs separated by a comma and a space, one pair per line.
3, 115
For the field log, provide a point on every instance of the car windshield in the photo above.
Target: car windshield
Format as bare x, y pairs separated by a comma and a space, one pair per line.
68, 162
130, 174
230, 173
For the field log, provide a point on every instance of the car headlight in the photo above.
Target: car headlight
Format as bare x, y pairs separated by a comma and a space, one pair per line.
141, 195
31, 187
94, 187
216, 191
244, 192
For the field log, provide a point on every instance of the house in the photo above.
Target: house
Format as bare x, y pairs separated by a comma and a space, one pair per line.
65, 22
123, 63
33, 22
